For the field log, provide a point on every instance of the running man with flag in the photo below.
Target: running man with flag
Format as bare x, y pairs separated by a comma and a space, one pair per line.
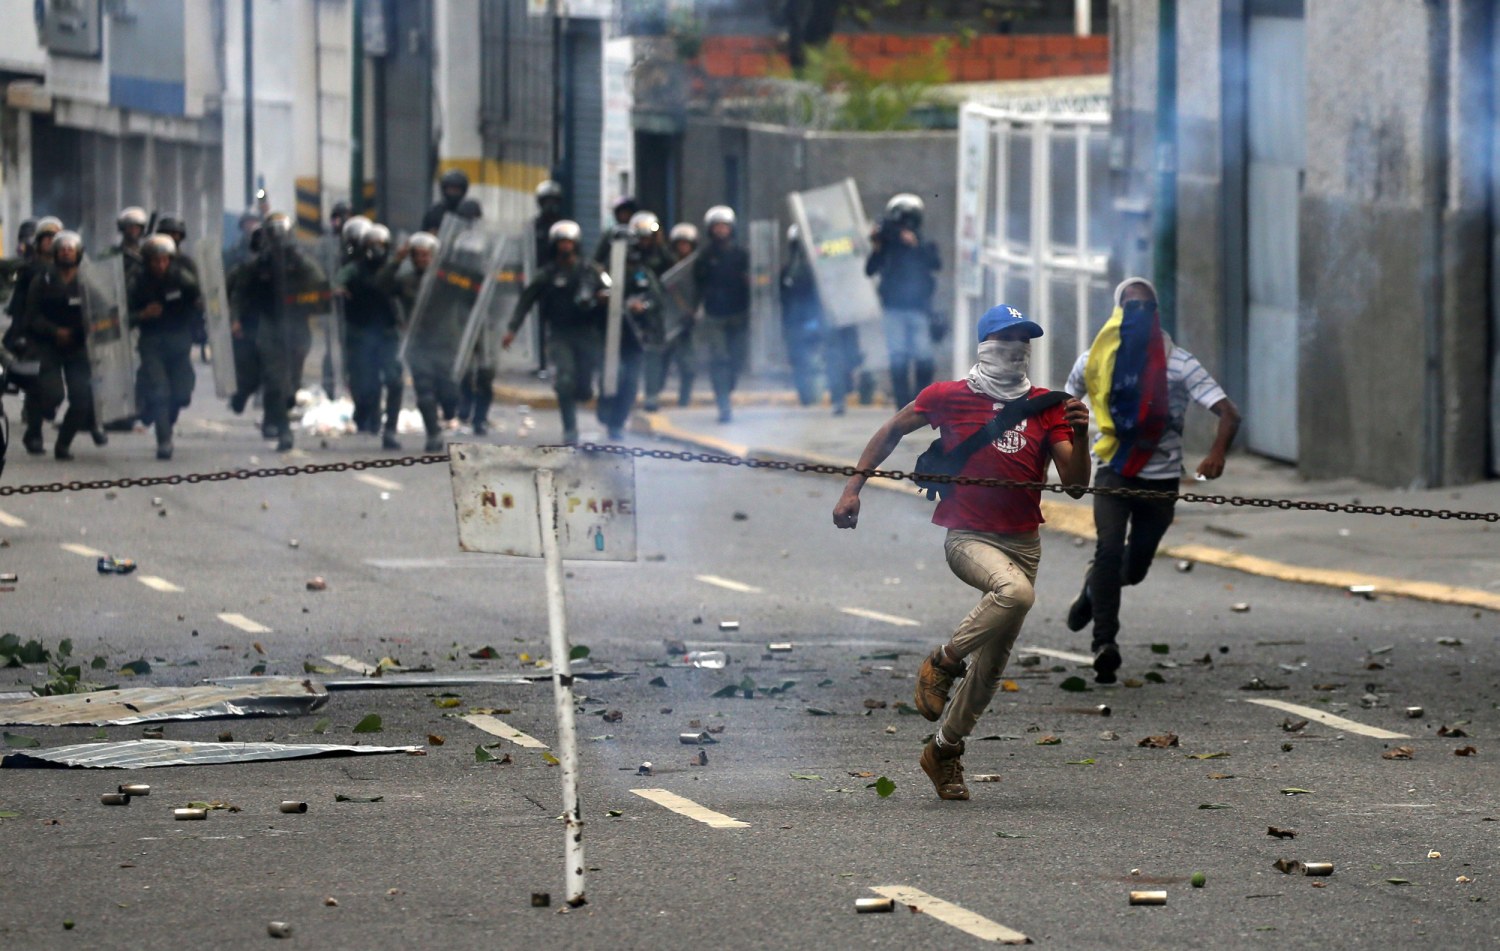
1138, 385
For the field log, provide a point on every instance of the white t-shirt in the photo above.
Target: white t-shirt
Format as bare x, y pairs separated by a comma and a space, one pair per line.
1186, 380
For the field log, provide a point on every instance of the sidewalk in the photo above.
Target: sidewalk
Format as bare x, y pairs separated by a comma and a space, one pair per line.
1430, 559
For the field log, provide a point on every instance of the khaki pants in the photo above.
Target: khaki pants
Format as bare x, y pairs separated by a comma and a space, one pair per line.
1004, 568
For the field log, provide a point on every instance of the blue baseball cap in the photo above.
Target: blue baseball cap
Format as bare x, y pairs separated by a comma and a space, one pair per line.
1003, 317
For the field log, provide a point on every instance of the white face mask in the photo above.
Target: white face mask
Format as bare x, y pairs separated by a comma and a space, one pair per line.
1001, 372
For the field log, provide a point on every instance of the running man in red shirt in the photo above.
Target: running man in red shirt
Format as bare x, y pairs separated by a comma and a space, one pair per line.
992, 542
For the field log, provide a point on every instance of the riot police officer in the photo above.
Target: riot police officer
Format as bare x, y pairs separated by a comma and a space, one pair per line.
623, 209
569, 294
454, 185
682, 242
19, 341
132, 223
165, 303
549, 211
801, 318
372, 335
174, 227
58, 331
643, 328
722, 270
906, 264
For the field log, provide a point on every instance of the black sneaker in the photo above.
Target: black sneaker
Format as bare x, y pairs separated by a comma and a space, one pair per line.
1106, 662
389, 441
1081, 611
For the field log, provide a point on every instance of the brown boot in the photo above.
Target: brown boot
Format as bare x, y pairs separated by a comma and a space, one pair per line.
934, 678
945, 768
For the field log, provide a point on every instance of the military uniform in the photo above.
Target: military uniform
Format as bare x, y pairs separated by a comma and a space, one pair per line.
166, 375
55, 324
801, 324
372, 336
642, 333
722, 271
281, 287
569, 304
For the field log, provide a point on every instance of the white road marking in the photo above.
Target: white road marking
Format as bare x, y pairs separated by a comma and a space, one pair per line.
1060, 655
686, 807
244, 624
885, 618
951, 914
83, 550
729, 584
350, 663
158, 584
213, 426
385, 485
505, 731
1328, 719
11, 521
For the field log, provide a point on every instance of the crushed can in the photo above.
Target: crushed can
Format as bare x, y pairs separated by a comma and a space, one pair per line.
110, 565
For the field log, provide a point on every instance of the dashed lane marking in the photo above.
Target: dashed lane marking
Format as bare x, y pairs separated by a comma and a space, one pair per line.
729, 584
244, 624
496, 727
1060, 655
1328, 719
951, 914
11, 521
83, 550
883, 618
158, 584
385, 485
213, 426
350, 663
686, 807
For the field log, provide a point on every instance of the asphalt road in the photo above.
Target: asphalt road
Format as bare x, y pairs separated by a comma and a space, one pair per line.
452, 853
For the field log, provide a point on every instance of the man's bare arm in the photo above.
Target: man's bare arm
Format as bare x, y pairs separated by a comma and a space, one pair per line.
1212, 465
879, 448
1072, 457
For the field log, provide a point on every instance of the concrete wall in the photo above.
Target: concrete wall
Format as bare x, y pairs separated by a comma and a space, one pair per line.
1396, 229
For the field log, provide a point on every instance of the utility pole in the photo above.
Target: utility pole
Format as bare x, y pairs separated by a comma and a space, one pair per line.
248, 28
357, 112
1164, 221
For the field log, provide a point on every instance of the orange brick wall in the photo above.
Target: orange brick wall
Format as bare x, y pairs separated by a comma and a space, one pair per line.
984, 59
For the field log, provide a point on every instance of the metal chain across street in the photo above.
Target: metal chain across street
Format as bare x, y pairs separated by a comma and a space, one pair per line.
669, 455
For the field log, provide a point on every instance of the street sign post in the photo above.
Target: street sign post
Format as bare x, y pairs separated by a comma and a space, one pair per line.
614, 316
550, 503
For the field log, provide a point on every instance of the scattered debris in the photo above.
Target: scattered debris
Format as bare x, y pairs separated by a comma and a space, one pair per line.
1451, 731
987, 778
1214, 805
189, 814
1009, 686
883, 787
701, 759
871, 704
293, 807
870, 906
1465, 751
1400, 752
1074, 685
134, 789
741, 517
1434, 854
345, 797
115, 799
645, 769
541, 900
890, 730
279, 929
1398, 881
1148, 898
820, 712
1293, 726
1296, 791
1293, 867
613, 716
1031, 660
674, 647
1276, 833
1414, 713
781, 648
370, 724
1366, 591
1463, 880
1049, 740
1255, 683
139, 754
1109, 735
1240, 608
317, 584
806, 776
1198, 880
1160, 741
1219, 755
729, 625
276, 696
110, 565
1450, 642
1103, 710
695, 739
1184, 566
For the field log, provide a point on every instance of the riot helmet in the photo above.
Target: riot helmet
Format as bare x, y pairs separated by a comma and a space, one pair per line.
354, 232
46, 233
24, 235
278, 226
682, 231
454, 185
339, 215
469, 210
716, 216
565, 231
793, 234
624, 207
905, 210
67, 249
549, 193
158, 245
421, 247
376, 242
644, 226
132, 217
173, 226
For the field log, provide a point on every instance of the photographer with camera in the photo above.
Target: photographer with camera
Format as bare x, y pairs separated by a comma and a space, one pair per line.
906, 265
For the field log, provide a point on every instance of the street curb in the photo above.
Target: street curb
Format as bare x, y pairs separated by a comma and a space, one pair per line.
541, 397
1078, 520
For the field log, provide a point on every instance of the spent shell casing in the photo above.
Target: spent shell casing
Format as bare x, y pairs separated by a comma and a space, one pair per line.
183, 814
293, 806
1415, 713
870, 906
134, 789
692, 739
1366, 591
8, 577
1103, 710
729, 625
279, 929
780, 648
115, 799
1319, 869
1148, 898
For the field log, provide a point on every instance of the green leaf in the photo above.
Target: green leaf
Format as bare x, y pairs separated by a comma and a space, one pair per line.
1080, 762
1011, 835
906, 709
1153, 677
1074, 685
882, 655
258, 670
9, 644
446, 703
34, 653
727, 691
99, 663
747, 685
579, 652
1214, 805
308, 667
1295, 791
1161, 648
484, 653
8, 814
18, 742
1220, 755
884, 787
344, 797
826, 682
139, 667
812, 776
549, 759
321, 726
370, 724
65, 647
482, 755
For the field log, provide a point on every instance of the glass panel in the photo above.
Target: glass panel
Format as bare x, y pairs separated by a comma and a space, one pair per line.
1064, 190
1017, 288
1018, 188
1101, 305
1101, 215
1062, 332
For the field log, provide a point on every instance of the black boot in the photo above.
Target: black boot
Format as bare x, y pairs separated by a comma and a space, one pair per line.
61, 450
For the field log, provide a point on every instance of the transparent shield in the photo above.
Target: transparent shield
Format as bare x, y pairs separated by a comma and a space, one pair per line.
111, 351
767, 343
480, 343
519, 268
837, 236
211, 278
681, 289
449, 291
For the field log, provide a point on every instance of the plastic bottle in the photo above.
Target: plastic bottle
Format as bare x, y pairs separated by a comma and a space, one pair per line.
708, 660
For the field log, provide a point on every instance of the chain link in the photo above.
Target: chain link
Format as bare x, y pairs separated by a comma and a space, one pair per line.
670, 455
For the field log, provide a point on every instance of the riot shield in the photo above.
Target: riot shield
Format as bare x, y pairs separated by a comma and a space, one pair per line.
448, 293
767, 342
101, 284
328, 251
837, 238
681, 288
211, 280
525, 352
482, 332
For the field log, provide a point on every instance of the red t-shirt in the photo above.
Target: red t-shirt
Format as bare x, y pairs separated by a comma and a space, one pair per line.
1021, 453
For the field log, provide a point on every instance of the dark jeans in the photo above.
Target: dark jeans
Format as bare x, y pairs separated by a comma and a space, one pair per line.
432, 378
374, 371
615, 408
282, 346
166, 376
1129, 531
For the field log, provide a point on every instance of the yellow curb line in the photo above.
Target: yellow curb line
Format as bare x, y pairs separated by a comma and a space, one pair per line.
543, 398
1078, 520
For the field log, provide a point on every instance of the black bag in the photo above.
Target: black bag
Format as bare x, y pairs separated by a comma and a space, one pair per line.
936, 461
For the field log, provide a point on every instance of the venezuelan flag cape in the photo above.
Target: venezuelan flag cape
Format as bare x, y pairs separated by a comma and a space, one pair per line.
1126, 376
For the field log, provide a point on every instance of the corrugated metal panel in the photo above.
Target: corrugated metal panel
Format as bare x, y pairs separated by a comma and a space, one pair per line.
516, 96
409, 155
585, 125
141, 754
